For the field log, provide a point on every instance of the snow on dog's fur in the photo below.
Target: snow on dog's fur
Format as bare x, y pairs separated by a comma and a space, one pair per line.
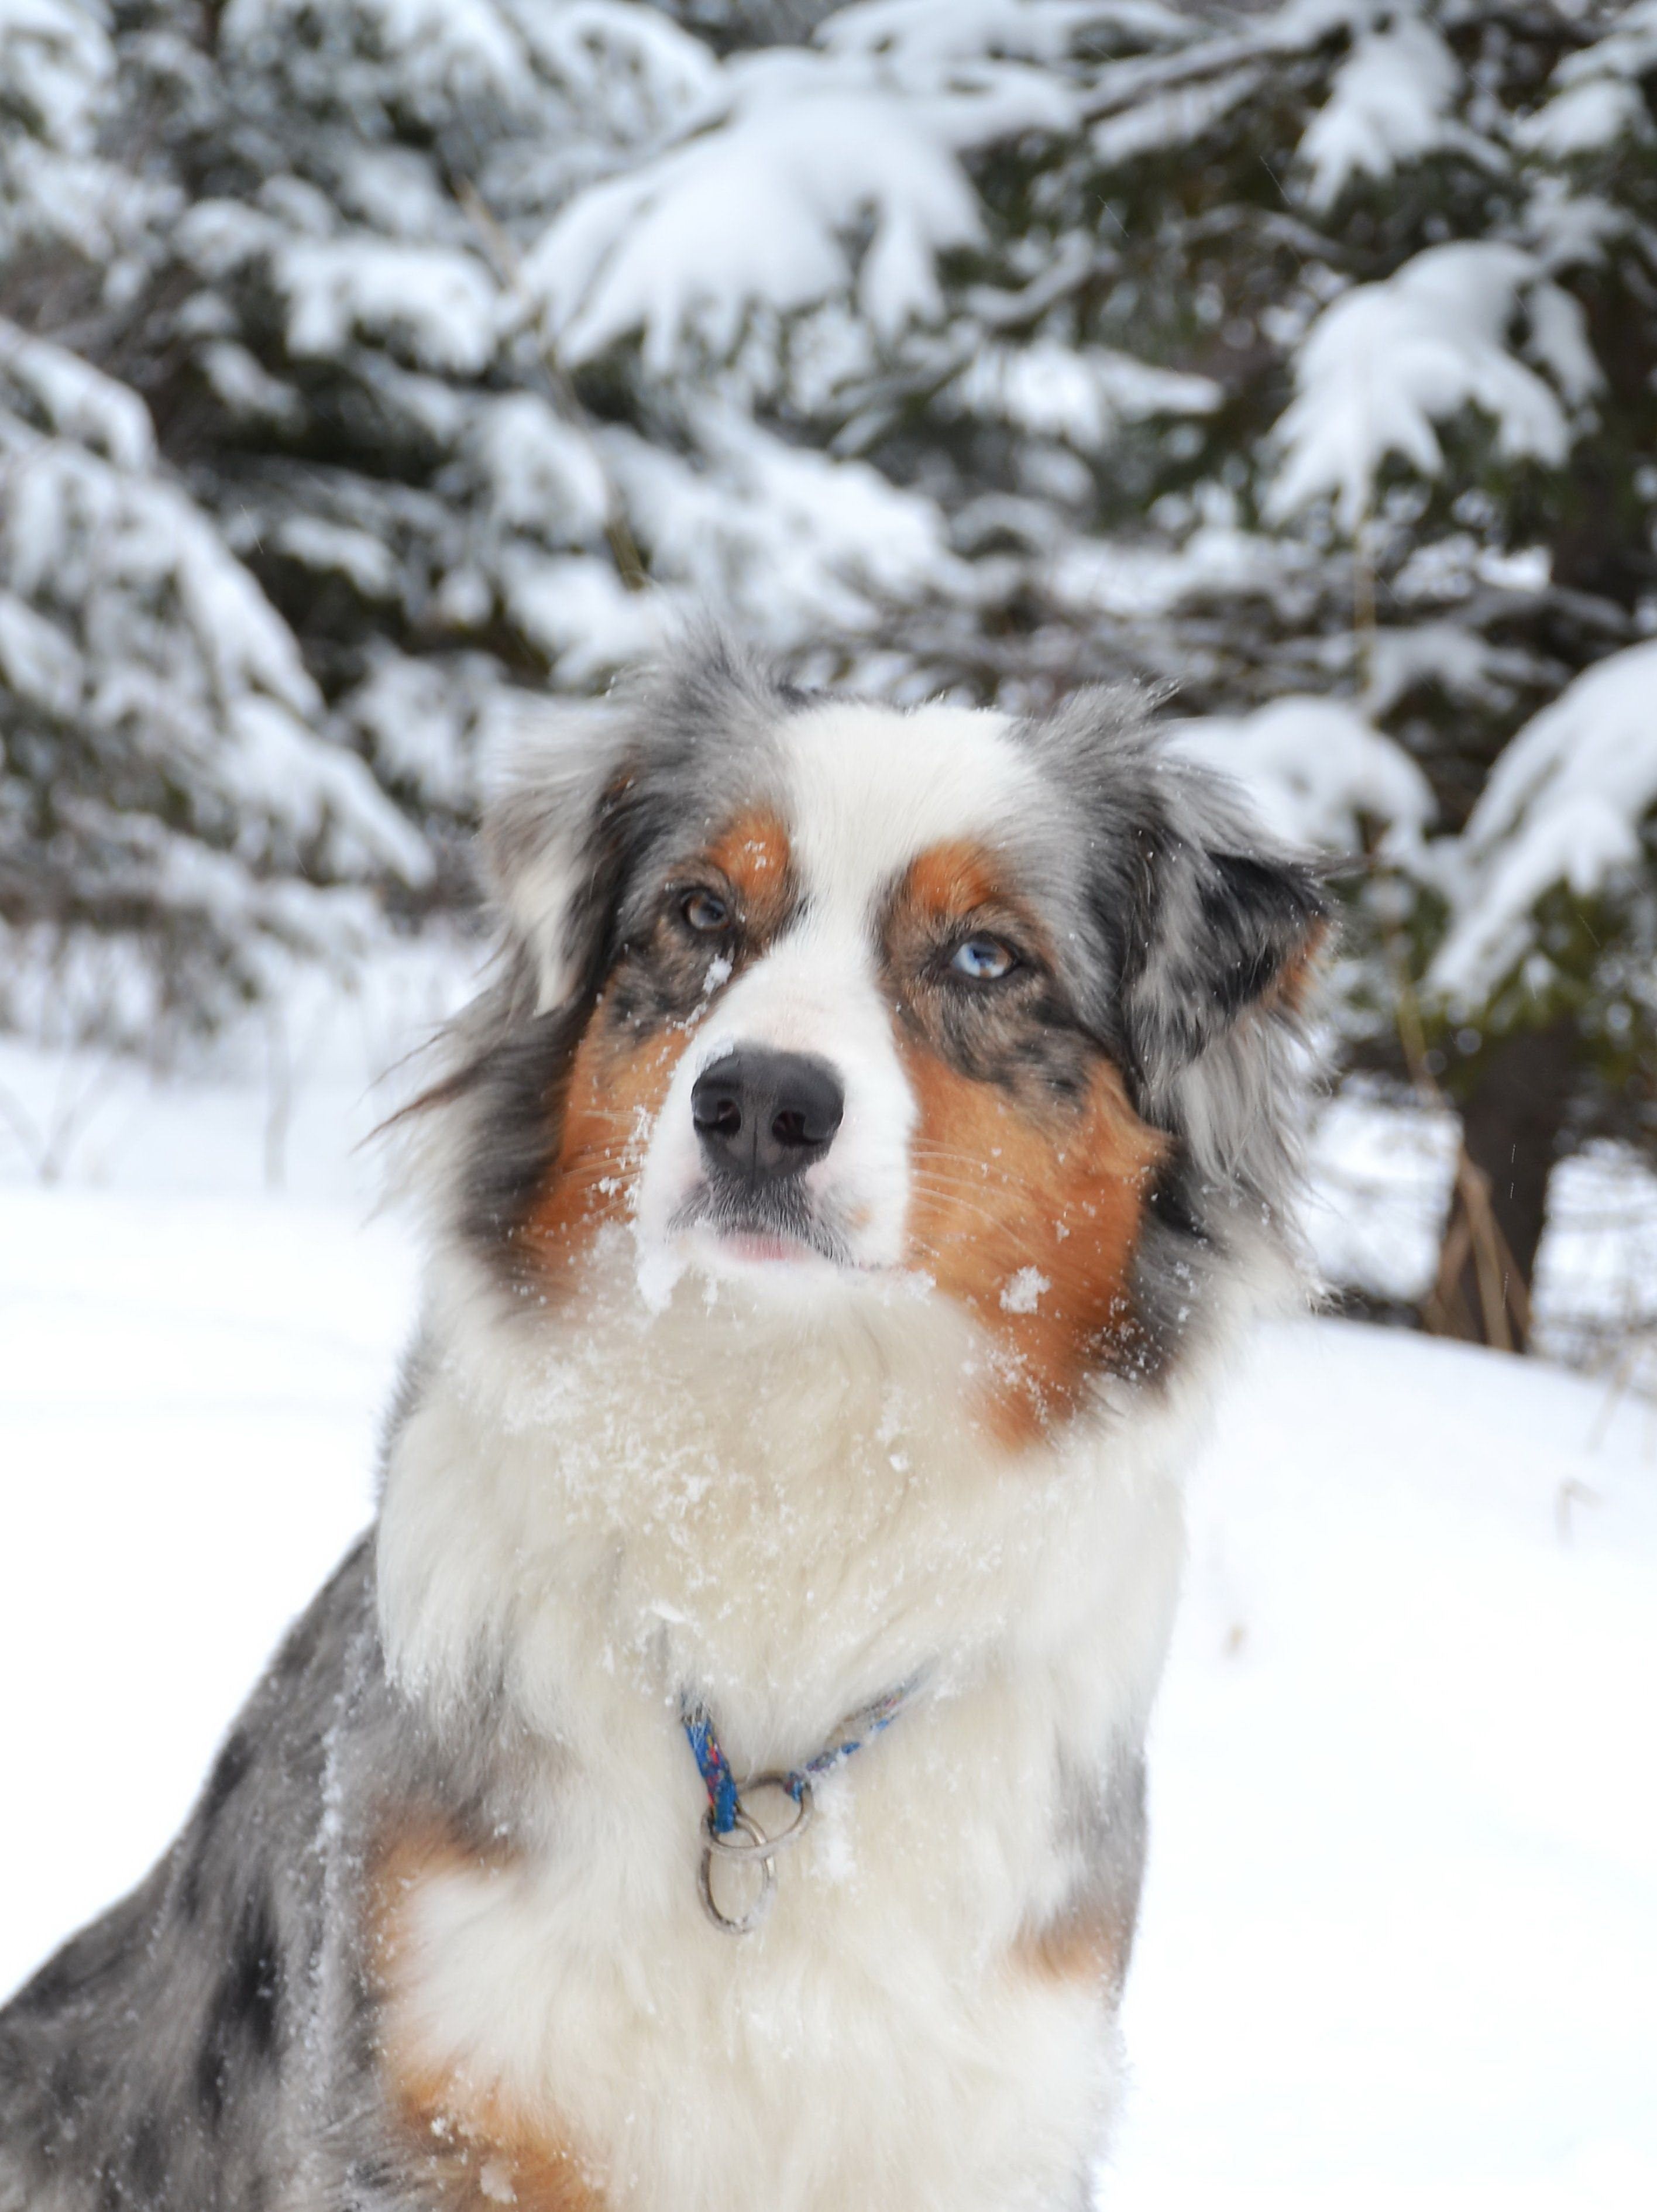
879, 1125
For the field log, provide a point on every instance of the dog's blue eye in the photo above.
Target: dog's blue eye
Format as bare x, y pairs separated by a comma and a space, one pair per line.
705, 913
986, 959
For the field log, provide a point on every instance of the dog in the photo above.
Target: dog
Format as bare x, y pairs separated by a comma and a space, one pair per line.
716, 1780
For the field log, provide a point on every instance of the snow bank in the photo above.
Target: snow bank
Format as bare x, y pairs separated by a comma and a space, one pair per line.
1399, 1938
1401, 1930
1398, 1946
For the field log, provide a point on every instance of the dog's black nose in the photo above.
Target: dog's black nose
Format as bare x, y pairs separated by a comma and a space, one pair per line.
762, 1115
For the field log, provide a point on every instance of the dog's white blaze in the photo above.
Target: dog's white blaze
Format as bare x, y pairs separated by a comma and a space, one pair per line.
816, 992
870, 788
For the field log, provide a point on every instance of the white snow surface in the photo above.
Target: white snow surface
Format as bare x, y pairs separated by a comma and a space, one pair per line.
1400, 1939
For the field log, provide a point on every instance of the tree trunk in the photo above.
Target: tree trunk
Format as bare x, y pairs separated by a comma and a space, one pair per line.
1510, 1130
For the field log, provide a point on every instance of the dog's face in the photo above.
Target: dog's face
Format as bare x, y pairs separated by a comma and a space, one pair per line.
830, 994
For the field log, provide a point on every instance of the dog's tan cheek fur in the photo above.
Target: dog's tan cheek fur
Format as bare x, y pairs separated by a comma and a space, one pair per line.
466, 2149
995, 1194
619, 1078
617, 1083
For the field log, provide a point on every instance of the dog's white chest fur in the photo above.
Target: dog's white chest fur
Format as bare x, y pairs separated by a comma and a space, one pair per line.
874, 2043
787, 1538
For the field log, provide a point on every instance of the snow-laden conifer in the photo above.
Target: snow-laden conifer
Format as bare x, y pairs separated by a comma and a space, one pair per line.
1295, 356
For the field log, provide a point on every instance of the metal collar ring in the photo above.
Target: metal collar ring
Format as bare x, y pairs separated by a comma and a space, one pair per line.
754, 1842
749, 1844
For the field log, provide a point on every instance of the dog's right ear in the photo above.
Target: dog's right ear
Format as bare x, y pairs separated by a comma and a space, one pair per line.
576, 790
555, 788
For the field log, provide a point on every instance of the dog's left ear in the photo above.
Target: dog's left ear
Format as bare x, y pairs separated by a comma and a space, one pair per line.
1222, 930
1205, 932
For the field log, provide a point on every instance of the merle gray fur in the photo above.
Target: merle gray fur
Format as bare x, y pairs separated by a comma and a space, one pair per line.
210, 2044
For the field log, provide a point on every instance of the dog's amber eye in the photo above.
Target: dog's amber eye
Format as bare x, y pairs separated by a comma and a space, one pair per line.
984, 959
705, 913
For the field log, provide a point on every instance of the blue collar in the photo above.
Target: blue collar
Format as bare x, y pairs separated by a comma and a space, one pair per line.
728, 1827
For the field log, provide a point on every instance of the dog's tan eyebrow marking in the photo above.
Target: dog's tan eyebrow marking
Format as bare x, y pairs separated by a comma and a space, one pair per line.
754, 854
949, 882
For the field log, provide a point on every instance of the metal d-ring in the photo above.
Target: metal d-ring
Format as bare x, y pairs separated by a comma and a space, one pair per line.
749, 1844
757, 1851
764, 1846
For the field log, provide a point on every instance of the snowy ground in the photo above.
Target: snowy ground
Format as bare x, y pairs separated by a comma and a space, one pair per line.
1400, 1943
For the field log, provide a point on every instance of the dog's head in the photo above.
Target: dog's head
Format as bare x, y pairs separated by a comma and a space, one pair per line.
807, 994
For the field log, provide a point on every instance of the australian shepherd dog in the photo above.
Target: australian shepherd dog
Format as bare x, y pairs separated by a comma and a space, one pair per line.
715, 1782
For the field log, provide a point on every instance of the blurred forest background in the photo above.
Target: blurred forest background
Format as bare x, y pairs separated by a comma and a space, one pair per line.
366, 363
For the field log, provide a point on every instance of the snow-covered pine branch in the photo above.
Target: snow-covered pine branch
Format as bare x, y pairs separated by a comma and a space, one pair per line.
1564, 829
